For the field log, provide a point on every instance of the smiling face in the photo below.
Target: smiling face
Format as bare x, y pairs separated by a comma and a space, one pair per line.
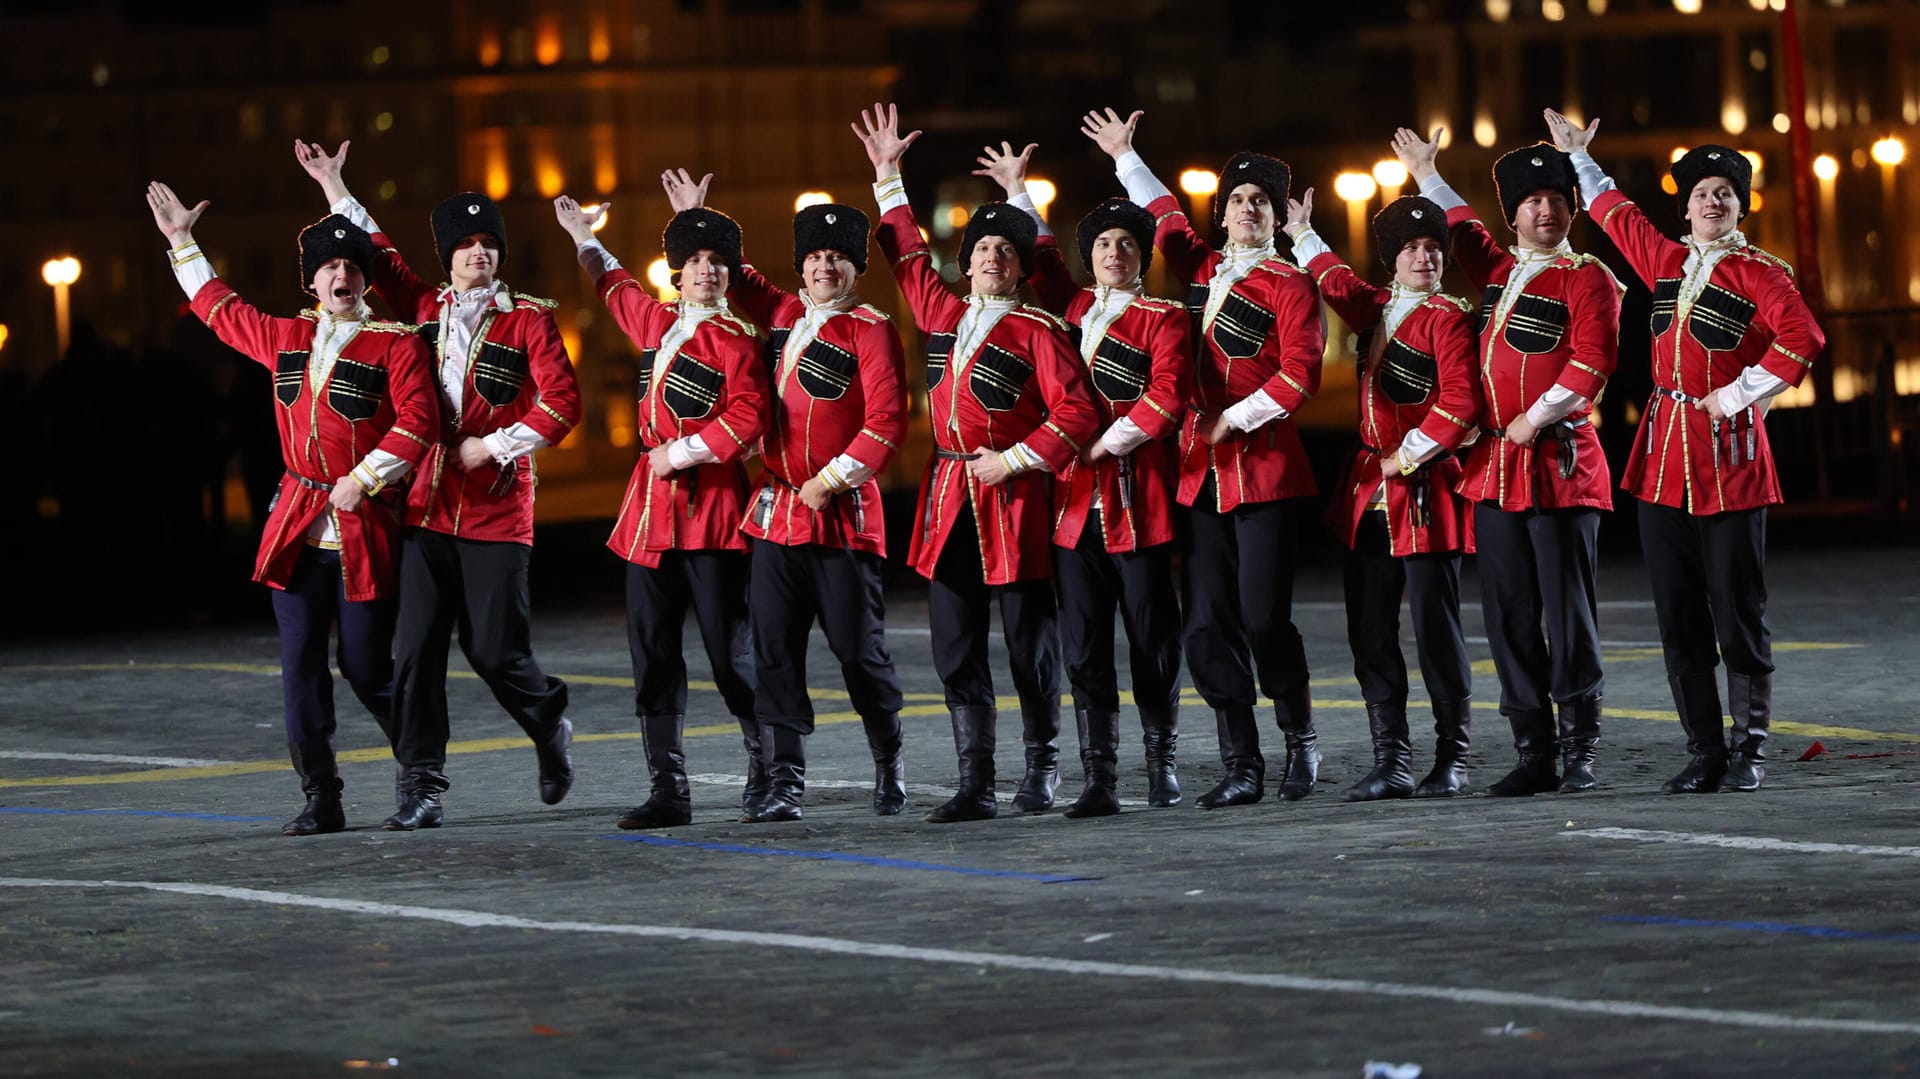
827, 275
993, 267
1419, 263
476, 258
1116, 258
1713, 208
340, 284
1249, 215
1542, 220
703, 279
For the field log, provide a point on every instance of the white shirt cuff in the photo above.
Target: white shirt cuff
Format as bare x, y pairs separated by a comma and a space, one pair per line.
351, 209
1141, 184
190, 268
1123, 437
1594, 182
689, 451
1309, 246
378, 469
1555, 405
1024, 201
1418, 446
596, 259
890, 193
1441, 193
1755, 384
1254, 411
843, 473
511, 443
1020, 459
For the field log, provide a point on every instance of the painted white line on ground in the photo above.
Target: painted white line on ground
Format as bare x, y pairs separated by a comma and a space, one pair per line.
109, 758
1744, 842
475, 919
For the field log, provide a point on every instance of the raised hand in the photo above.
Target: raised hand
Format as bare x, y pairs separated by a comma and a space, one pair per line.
1417, 154
1005, 167
326, 170
577, 222
879, 131
1299, 214
170, 215
682, 192
1567, 135
1109, 132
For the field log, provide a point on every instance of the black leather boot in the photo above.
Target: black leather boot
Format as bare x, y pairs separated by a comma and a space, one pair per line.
1697, 698
753, 738
1160, 737
1452, 727
1245, 780
786, 751
1533, 738
671, 803
973, 740
1579, 745
1100, 757
889, 764
556, 762
1040, 733
1750, 700
421, 806
1294, 712
320, 782
1392, 774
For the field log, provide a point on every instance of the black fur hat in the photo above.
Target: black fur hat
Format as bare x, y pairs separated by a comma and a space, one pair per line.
830, 226
1406, 219
1269, 174
461, 216
1006, 221
333, 237
1117, 213
701, 229
1540, 167
1712, 159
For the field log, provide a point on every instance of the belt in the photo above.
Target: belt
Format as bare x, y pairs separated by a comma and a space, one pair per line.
954, 455
312, 485
1676, 395
763, 506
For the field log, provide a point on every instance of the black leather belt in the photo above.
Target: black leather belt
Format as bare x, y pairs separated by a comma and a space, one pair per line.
954, 455
312, 485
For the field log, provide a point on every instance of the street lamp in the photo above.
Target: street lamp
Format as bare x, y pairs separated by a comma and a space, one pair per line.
61, 273
1890, 152
1391, 175
1200, 185
1043, 193
598, 222
811, 198
661, 278
1355, 188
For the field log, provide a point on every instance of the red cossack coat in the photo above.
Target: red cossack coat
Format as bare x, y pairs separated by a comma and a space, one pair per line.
1419, 378
1023, 384
517, 372
1563, 328
845, 393
1142, 369
715, 387
1267, 335
1749, 312
379, 395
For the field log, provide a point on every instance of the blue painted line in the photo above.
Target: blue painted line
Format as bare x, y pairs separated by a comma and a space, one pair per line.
856, 859
1827, 932
130, 813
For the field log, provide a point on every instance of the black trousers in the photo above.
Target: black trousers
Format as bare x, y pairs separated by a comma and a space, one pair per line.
1709, 585
314, 598
959, 605
1375, 581
1537, 566
1094, 585
713, 584
476, 591
789, 588
1237, 591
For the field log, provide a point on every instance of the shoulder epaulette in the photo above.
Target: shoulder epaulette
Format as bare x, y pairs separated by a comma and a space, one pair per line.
870, 314
309, 314
735, 324
1278, 264
1456, 301
379, 326
1158, 304
534, 301
1042, 315
1576, 260
1767, 256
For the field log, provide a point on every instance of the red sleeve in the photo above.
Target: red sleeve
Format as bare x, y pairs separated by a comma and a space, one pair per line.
1301, 329
1163, 403
1357, 303
393, 279
1173, 234
1593, 331
236, 322
1644, 246
1071, 420
556, 410
928, 297
634, 308
743, 399
1052, 282
883, 385
1474, 248
755, 297
416, 400
1456, 402
1797, 338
